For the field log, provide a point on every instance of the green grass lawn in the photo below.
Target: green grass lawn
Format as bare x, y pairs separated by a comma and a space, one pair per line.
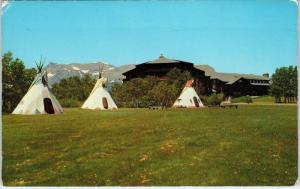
253, 145
264, 100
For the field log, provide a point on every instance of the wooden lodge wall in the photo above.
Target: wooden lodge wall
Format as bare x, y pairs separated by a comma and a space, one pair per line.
202, 84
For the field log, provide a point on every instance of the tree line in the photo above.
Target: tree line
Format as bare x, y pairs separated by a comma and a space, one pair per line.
284, 86
150, 91
16, 80
73, 91
139, 92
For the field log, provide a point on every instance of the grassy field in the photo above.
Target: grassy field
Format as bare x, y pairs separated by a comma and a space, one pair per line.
253, 145
264, 100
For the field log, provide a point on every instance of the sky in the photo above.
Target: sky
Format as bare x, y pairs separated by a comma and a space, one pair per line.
244, 36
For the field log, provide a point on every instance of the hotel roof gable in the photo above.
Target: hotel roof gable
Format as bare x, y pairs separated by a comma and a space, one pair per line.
228, 78
163, 60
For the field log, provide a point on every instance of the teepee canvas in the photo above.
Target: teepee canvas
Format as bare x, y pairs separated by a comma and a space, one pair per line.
99, 98
188, 97
39, 98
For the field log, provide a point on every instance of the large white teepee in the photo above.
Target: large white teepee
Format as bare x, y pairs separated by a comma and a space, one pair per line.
99, 98
188, 97
39, 98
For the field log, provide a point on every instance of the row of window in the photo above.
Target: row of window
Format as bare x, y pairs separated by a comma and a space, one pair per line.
258, 81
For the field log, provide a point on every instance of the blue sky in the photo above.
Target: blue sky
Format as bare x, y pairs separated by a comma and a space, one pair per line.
246, 36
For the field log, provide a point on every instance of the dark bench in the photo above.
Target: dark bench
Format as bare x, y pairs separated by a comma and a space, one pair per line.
229, 106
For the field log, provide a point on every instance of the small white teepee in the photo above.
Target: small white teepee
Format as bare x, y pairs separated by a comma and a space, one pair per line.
39, 98
99, 98
188, 97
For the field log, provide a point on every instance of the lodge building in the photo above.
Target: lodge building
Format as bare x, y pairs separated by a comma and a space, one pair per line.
206, 79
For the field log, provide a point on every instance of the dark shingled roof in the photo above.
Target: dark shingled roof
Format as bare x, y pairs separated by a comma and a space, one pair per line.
206, 68
229, 78
162, 59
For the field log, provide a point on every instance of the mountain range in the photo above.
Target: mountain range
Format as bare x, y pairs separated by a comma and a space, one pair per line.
56, 71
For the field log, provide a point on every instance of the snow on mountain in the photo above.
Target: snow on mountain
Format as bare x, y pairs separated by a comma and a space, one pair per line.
49, 75
56, 72
75, 68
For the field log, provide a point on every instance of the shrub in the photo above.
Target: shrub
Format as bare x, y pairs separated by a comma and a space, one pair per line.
204, 99
70, 103
77, 88
214, 99
134, 93
165, 94
151, 90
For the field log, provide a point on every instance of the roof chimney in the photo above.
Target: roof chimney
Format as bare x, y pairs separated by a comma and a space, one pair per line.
161, 56
266, 75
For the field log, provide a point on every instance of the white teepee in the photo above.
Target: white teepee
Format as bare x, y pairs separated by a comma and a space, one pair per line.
39, 98
99, 98
188, 97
